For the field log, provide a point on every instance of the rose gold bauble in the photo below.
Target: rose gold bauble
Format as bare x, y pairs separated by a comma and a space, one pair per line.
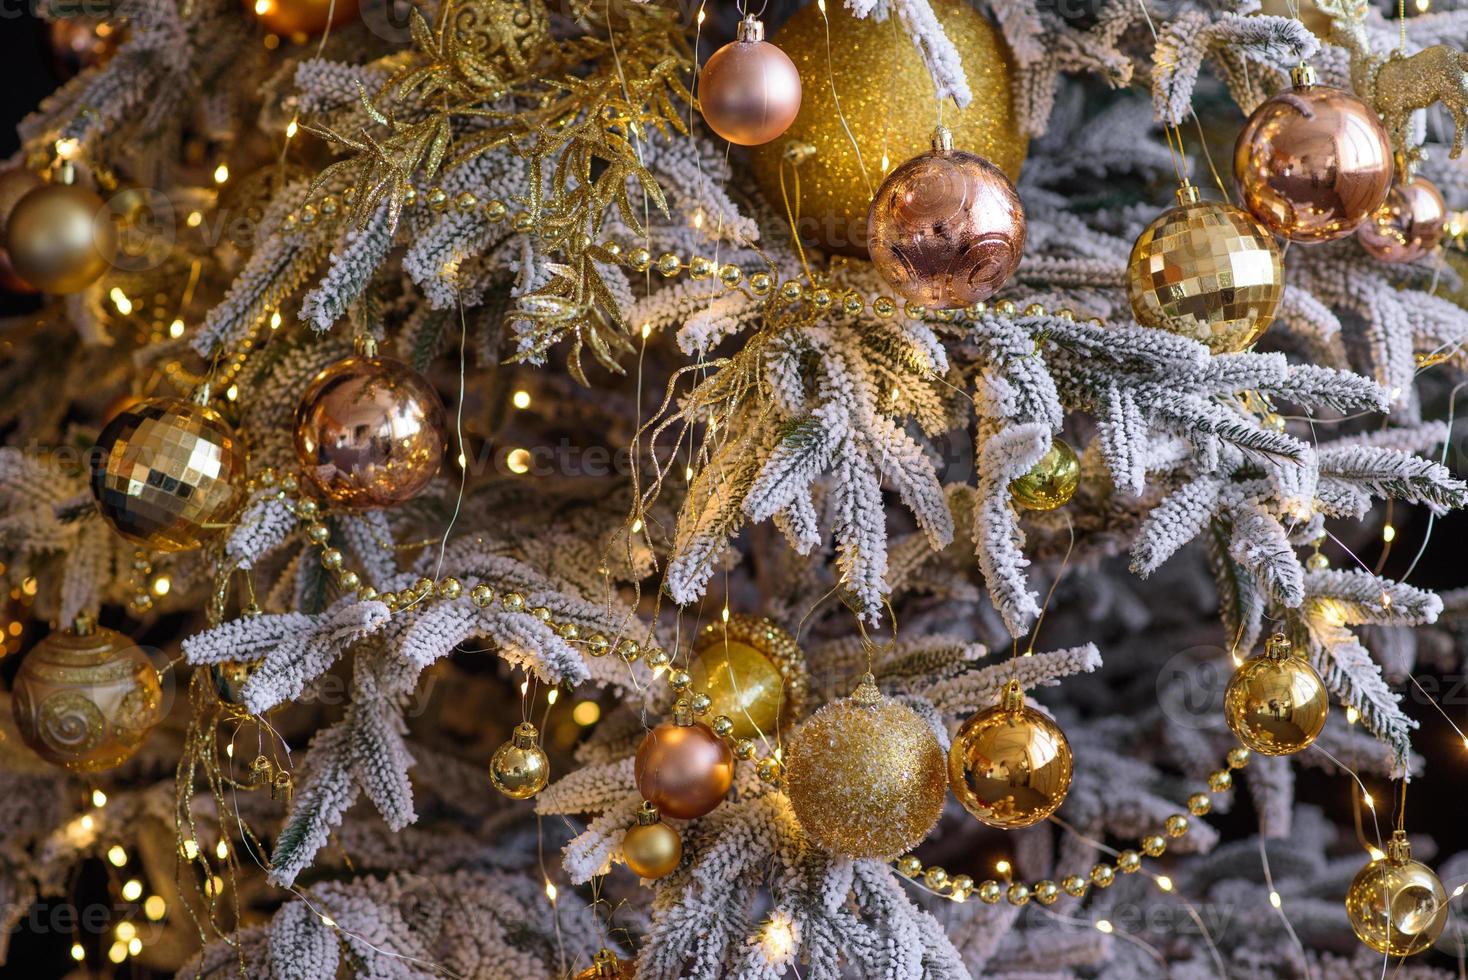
370, 432
1313, 162
650, 847
749, 90
683, 768
60, 238
15, 183
946, 228
302, 17
1408, 226
85, 698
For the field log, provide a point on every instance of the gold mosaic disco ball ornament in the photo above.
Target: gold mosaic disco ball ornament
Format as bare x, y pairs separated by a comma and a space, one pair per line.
168, 474
1276, 704
605, 965
753, 673
1051, 482
85, 698
880, 80
519, 768
1207, 271
1396, 905
1010, 765
865, 776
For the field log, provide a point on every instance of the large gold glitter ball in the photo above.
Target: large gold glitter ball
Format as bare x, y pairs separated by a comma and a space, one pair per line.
168, 474
865, 776
60, 238
1396, 905
753, 673
605, 965
1051, 482
370, 432
1276, 703
886, 100
1206, 271
301, 18
1010, 765
85, 698
519, 768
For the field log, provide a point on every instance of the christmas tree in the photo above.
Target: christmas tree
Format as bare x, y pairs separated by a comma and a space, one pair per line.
606, 489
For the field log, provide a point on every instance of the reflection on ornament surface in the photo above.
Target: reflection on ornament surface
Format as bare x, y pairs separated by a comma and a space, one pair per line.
1396, 905
1010, 765
1408, 226
1276, 703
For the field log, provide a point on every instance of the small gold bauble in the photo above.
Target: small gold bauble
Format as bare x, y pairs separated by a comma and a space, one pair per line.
519, 768
683, 768
1010, 765
1051, 482
606, 966
1396, 905
1276, 703
85, 699
60, 238
168, 474
229, 680
651, 848
1207, 271
865, 775
302, 17
753, 673
879, 76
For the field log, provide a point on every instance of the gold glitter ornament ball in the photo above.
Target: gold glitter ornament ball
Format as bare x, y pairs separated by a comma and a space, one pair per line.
886, 100
168, 474
1276, 703
1396, 905
752, 671
865, 776
1051, 482
519, 768
85, 698
1206, 271
1010, 765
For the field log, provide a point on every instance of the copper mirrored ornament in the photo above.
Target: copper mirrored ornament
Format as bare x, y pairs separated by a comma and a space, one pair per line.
1207, 271
946, 229
650, 847
749, 90
15, 183
60, 238
1010, 765
519, 768
1408, 226
370, 432
85, 699
683, 768
605, 965
1276, 703
865, 776
1051, 482
1313, 162
753, 673
168, 474
302, 18
1396, 905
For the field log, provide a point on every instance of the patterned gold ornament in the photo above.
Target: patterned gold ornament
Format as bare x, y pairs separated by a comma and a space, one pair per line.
650, 847
1010, 765
682, 767
168, 474
1276, 703
606, 966
85, 699
60, 237
865, 775
1051, 482
519, 768
753, 673
302, 18
1396, 905
880, 78
1207, 271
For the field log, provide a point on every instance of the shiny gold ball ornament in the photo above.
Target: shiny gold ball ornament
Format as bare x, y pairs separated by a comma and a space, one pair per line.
1408, 226
168, 474
1207, 271
1313, 162
60, 237
682, 767
606, 965
879, 76
1051, 482
85, 698
752, 672
1396, 905
865, 775
302, 18
650, 847
15, 183
1010, 765
370, 431
519, 768
749, 90
1276, 703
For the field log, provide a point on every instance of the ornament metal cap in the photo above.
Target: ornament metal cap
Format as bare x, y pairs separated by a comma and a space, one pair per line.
647, 815
1187, 193
942, 140
84, 624
1278, 648
605, 964
751, 30
1302, 76
1399, 849
525, 735
365, 345
867, 693
1013, 698
683, 713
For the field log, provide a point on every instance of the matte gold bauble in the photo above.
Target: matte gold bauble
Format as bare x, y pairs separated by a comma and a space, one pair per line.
15, 183
753, 673
1207, 271
1313, 162
1408, 226
749, 90
370, 432
683, 768
85, 699
881, 81
865, 776
60, 238
650, 847
168, 474
302, 17
519, 768
1276, 703
606, 966
1396, 905
1010, 765
1051, 482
